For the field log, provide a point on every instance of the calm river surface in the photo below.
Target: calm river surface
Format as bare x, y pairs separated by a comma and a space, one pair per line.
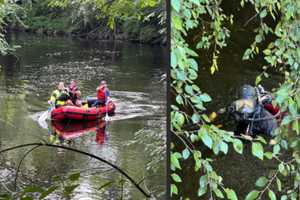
133, 73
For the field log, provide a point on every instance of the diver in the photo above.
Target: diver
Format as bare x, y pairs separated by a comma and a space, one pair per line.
254, 111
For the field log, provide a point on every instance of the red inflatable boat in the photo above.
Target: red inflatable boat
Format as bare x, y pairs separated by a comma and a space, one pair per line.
82, 113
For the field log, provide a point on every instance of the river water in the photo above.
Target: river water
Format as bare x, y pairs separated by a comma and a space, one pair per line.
133, 73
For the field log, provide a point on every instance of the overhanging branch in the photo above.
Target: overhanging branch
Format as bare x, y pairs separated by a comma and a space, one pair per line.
83, 153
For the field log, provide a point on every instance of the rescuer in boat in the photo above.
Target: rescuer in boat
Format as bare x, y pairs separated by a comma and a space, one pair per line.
254, 111
103, 94
60, 96
75, 93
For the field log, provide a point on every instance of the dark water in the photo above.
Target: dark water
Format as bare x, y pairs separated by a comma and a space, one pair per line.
239, 172
133, 73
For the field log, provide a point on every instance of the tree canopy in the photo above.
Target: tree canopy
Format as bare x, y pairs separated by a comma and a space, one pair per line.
142, 21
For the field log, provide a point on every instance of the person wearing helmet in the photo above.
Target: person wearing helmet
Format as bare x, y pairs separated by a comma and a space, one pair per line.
251, 114
60, 96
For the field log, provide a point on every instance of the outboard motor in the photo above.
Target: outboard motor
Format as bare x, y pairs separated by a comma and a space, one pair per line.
250, 114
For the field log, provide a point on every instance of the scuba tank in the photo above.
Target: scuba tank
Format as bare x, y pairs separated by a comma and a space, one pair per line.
250, 111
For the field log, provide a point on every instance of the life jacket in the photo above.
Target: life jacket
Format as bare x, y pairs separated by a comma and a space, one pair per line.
102, 94
72, 91
59, 97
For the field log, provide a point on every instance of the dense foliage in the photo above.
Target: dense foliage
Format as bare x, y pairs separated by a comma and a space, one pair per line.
282, 54
9, 12
130, 20
142, 21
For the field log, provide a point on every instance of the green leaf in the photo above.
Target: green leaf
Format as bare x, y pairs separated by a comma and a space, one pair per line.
258, 38
192, 74
261, 139
258, 150
206, 139
74, 177
69, 189
194, 64
263, 14
203, 181
276, 149
224, 147
189, 89
206, 118
175, 161
278, 182
295, 127
238, 146
185, 153
179, 117
33, 189
48, 191
173, 60
105, 185
252, 195
282, 169
286, 120
283, 197
5, 197
231, 195
205, 97
261, 182
194, 138
267, 52
176, 5
218, 193
179, 99
177, 22
268, 155
258, 80
174, 189
195, 118
201, 191
271, 195
247, 54
197, 2
176, 178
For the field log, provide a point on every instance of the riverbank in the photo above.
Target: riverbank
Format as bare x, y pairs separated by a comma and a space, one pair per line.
150, 36
58, 23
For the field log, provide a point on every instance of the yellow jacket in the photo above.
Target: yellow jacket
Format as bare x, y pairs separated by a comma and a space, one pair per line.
55, 96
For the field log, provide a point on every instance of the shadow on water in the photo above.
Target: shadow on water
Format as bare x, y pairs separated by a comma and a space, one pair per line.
133, 73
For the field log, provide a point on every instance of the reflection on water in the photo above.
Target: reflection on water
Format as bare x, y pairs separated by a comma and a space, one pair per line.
132, 72
68, 130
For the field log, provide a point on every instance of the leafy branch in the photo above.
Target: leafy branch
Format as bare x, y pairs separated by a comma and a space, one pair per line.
80, 152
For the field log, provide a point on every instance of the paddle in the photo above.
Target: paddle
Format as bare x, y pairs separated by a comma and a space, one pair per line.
44, 116
106, 108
